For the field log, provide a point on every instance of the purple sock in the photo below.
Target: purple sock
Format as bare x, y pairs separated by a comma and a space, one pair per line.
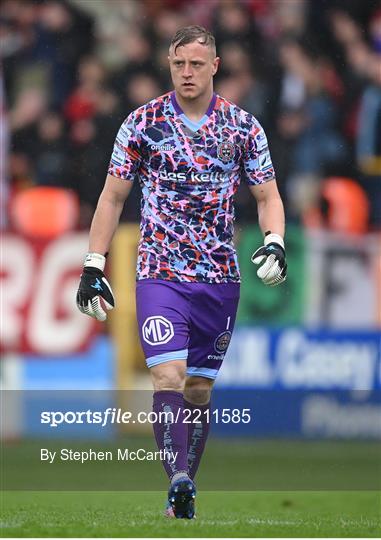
171, 436
197, 436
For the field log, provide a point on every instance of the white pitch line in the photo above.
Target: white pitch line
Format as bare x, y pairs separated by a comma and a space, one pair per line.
9, 524
257, 521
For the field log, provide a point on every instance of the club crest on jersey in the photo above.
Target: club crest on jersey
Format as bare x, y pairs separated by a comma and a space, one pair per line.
225, 151
222, 342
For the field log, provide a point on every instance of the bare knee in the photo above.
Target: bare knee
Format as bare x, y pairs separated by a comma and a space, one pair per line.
169, 376
198, 390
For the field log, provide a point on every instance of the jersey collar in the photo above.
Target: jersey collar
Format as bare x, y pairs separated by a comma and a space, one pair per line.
194, 126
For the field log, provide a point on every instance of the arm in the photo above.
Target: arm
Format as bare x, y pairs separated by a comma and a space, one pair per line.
94, 292
270, 207
107, 214
260, 175
272, 222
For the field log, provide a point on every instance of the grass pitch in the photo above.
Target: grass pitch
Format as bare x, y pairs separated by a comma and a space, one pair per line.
219, 514
333, 490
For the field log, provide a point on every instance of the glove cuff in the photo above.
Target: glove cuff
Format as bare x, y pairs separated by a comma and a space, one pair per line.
95, 260
274, 238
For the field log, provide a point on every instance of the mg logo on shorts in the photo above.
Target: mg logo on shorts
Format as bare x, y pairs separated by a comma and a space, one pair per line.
157, 330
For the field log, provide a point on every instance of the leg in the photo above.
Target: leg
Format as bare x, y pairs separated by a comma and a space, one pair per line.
162, 311
171, 436
163, 327
212, 322
197, 399
198, 390
169, 376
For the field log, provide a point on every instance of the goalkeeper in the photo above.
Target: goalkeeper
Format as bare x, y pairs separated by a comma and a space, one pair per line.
189, 149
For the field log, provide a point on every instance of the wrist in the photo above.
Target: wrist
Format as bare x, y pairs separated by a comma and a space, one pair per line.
95, 260
273, 238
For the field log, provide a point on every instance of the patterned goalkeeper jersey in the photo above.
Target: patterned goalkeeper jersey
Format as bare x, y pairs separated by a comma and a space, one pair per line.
189, 172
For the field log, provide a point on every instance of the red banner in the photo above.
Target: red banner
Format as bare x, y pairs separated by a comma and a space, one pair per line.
38, 287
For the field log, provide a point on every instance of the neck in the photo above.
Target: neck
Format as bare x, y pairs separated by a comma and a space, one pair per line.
195, 108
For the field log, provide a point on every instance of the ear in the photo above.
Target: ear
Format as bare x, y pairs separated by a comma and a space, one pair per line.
216, 63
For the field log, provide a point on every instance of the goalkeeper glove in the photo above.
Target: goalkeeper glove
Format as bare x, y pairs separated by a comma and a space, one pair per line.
94, 291
273, 271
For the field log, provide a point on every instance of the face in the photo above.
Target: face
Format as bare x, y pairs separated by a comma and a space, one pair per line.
192, 68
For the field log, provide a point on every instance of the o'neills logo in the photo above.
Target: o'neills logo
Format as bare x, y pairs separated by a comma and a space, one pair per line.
194, 177
225, 151
162, 147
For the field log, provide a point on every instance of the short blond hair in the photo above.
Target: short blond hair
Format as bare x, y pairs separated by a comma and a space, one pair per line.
190, 34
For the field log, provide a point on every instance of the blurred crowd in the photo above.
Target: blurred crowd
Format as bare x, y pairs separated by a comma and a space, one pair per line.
309, 70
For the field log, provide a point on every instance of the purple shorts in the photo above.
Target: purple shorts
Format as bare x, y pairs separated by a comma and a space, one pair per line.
186, 321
